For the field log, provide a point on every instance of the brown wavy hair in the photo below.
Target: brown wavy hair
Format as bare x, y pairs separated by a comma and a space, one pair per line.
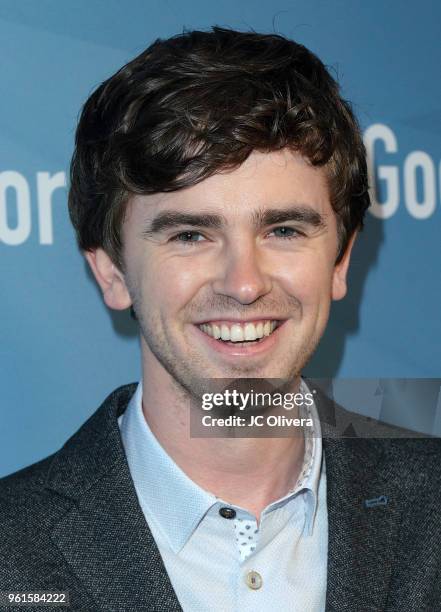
201, 102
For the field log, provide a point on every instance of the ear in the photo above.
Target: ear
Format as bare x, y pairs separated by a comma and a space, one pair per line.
339, 286
110, 279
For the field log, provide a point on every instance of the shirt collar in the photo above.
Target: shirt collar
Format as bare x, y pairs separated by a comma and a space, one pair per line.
312, 468
176, 504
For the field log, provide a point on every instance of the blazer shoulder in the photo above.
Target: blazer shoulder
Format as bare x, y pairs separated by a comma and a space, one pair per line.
337, 421
30, 482
415, 457
27, 508
27, 479
35, 499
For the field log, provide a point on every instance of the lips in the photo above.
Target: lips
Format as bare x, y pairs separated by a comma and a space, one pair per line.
238, 347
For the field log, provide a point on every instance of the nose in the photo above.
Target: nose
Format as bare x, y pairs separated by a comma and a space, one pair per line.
241, 274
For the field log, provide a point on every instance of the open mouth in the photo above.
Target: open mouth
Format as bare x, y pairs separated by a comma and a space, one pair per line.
240, 334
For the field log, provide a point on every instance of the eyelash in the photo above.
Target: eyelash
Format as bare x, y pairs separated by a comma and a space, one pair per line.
176, 238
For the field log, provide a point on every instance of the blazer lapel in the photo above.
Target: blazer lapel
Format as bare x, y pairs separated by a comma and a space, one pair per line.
104, 536
363, 511
362, 536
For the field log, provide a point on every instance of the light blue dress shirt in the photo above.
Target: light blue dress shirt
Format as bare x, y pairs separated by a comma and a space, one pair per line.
219, 564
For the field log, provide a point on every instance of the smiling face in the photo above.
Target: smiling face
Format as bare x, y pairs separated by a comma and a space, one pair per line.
212, 268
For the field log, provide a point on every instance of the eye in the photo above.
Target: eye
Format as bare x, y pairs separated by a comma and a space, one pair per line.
188, 237
286, 232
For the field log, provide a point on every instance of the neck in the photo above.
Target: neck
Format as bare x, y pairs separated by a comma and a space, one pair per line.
246, 472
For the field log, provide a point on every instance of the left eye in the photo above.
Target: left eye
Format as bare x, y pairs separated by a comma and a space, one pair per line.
189, 236
286, 232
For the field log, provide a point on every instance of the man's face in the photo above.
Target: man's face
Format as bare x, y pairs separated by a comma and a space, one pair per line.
254, 245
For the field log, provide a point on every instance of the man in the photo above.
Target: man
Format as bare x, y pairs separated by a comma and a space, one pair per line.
217, 187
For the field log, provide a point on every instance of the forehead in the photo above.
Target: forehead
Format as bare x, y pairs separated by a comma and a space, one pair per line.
264, 180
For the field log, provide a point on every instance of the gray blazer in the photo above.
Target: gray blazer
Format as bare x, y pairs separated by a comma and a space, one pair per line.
72, 522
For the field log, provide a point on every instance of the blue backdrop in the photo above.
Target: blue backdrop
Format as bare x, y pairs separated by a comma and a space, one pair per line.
61, 350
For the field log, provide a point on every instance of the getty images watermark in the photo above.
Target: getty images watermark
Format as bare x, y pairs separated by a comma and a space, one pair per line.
319, 407
252, 408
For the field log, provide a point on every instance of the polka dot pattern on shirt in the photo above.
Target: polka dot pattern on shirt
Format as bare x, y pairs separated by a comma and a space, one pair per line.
247, 535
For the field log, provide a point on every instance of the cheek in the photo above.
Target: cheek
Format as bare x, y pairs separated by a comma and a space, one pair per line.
171, 284
309, 279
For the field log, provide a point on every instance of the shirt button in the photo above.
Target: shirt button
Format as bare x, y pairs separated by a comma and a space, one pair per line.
227, 513
254, 580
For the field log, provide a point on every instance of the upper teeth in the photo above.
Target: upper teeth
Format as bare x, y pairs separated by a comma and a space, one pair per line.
238, 332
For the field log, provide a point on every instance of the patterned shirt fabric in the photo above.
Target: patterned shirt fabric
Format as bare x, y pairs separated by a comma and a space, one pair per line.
217, 556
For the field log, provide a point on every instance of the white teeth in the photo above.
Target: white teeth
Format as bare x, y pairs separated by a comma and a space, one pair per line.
225, 332
238, 332
250, 332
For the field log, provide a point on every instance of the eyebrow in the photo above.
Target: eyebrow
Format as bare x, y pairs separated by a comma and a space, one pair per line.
174, 218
